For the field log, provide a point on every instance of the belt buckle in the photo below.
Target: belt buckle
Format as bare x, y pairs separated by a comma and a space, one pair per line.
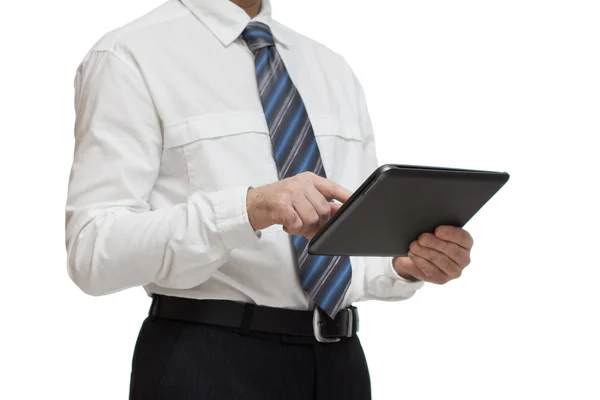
317, 322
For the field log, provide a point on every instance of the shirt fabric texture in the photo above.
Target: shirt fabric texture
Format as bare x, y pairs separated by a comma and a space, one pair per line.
170, 134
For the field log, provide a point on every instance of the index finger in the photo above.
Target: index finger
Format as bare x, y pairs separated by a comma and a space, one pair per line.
455, 234
331, 190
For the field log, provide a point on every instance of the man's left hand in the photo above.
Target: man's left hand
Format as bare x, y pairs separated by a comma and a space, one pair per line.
436, 257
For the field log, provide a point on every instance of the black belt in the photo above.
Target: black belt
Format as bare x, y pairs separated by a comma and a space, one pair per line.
249, 317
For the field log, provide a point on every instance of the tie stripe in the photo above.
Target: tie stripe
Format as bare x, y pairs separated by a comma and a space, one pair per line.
276, 95
296, 149
290, 131
325, 279
262, 63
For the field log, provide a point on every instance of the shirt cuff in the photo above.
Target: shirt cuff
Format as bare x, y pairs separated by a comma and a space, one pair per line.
399, 283
384, 283
391, 272
233, 224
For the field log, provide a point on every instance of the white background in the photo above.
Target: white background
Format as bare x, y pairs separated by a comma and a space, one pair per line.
510, 85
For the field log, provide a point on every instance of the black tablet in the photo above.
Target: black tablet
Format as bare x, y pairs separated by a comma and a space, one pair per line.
397, 203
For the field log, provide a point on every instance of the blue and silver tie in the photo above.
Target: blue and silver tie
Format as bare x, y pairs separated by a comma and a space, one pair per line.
325, 279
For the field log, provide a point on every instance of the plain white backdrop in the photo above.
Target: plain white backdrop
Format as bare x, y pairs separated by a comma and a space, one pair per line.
509, 85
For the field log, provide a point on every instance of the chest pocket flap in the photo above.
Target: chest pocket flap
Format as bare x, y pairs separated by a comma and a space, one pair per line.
213, 126
330, 125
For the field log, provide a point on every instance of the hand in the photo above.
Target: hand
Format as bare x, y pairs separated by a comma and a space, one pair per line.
437, 258
299, 203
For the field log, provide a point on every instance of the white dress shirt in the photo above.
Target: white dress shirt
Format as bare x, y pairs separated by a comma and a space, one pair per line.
170, 134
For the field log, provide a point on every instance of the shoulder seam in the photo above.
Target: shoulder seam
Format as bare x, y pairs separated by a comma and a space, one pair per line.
127, 28
117, 56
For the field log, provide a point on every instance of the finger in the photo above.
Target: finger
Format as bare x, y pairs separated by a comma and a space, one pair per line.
405, 264
457, 253
431, 272
456, 235
307, 213
331, 190
290, 220
320, 204
334, 208
440, 260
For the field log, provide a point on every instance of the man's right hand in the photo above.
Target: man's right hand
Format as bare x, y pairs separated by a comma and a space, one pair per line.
299, 203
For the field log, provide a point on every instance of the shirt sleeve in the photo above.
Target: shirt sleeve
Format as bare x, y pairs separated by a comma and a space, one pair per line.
114, 239
381, 280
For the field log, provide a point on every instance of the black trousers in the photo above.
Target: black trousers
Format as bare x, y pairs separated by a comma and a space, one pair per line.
178, 360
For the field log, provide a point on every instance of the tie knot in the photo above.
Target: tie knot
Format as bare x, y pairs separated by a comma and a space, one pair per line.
257, 35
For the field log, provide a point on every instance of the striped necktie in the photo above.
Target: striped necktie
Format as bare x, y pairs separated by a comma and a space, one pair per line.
325, 279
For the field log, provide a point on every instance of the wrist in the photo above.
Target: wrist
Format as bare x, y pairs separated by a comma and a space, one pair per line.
256, 211
250, 207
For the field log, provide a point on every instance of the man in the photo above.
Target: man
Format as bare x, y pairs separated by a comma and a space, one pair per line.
210, 143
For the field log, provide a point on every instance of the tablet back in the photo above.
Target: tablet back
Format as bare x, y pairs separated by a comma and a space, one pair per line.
397, 203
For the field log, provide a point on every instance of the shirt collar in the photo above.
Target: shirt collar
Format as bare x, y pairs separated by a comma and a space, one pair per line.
226, 20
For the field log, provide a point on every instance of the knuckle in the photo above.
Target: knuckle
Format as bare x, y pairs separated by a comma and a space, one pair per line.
424, 239
296, 181
323, 212
288, 182
433, 277
281, 205
288, 215
414, 247
440, 230
313, 219
455, 253
292, 190
293, 221
440, 278
453, 273
288, 194
296, 224
306, 175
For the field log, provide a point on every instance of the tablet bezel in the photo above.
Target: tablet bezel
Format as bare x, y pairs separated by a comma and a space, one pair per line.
372, 180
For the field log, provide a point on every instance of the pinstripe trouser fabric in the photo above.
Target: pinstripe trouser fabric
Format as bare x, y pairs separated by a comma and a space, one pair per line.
176, 360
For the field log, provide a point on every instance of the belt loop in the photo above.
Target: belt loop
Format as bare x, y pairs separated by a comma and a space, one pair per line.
247, 318
355, 320
153, 306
